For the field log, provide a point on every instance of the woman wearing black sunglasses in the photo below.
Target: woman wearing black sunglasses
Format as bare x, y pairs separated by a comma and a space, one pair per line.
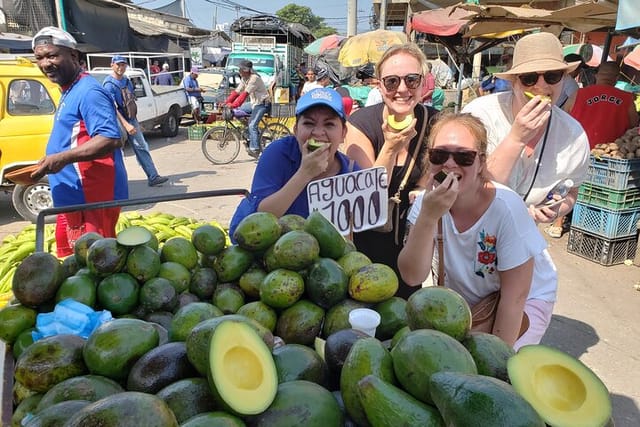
372, 142
490, 242
534, 146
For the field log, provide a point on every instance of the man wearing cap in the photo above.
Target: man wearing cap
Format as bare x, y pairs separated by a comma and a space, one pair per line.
194, 92
83, 156
288, 165
121, 89
251, 86
533, 145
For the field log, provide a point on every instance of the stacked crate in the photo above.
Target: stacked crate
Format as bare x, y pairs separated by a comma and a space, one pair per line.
604, 226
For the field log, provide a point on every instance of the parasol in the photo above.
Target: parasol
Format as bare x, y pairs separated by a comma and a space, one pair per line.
368, 47
633, 58
324, 43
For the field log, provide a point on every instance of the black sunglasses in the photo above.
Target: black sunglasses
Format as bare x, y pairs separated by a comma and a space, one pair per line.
551, 77
462, 158
412, 81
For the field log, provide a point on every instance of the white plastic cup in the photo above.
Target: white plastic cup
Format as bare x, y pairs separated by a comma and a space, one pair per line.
365, 320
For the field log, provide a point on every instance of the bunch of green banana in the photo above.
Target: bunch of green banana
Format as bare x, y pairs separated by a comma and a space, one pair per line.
163, 225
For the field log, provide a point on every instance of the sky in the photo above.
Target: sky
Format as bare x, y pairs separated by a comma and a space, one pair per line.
203, 13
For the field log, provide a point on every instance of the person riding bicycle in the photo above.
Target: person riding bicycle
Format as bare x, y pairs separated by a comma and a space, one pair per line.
252, 86
288, 164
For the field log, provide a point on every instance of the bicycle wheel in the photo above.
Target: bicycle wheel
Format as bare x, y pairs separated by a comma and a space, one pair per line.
221, 145
272, 132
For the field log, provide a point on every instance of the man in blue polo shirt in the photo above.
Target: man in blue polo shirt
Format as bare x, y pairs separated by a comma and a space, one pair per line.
83, 156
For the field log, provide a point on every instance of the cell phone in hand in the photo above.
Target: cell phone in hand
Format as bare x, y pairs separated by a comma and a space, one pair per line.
440, 176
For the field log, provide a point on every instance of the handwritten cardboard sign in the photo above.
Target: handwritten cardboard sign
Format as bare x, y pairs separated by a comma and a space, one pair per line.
353, 201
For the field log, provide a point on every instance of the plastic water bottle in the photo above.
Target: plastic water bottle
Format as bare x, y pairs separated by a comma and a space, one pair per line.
561, 190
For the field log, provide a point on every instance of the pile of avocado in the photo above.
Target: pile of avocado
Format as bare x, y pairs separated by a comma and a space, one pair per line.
207, 333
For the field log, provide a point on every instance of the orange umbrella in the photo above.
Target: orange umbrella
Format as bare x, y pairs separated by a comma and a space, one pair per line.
368, 47
633, 58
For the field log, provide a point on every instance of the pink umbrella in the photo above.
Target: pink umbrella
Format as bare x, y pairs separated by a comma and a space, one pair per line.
591, 53
324, 43
633, 58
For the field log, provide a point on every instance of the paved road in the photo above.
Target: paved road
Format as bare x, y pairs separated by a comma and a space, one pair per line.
596, 317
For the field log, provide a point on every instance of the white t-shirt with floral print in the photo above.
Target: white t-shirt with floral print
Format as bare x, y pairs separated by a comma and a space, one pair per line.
503, 238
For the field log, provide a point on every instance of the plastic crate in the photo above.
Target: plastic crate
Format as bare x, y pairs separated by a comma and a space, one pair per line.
605, 222
617, 174
602, 251
596, 195
196, 132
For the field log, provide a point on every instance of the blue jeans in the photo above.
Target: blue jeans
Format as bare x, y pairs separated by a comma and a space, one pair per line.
141, 150
256, 115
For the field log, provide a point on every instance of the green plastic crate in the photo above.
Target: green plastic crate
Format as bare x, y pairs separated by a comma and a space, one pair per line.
608, 198
196, 132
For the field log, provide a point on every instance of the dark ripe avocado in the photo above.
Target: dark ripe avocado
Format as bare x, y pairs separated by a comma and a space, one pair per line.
388, 405
301, 403
141, 409
82, 245
160, 367
337, 347
299, 362
563, 390
241, 371
187, 398
37, 279
463, 399
106, 256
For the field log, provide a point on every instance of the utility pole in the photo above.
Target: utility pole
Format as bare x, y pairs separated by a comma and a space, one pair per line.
383, 15
352, 17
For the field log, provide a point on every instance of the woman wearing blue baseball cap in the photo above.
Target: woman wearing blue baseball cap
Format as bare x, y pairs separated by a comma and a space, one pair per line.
287, 165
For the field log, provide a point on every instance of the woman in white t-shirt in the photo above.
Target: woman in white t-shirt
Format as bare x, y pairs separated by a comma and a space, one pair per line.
491, 243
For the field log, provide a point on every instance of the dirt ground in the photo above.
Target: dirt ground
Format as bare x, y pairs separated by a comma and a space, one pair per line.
596, 317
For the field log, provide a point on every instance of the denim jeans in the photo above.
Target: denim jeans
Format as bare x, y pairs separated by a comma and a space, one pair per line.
256, 115
141, 150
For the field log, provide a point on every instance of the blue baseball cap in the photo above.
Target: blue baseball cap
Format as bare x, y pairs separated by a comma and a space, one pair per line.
117, 59
321, 96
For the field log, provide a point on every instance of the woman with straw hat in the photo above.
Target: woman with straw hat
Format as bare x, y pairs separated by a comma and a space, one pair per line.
534, 146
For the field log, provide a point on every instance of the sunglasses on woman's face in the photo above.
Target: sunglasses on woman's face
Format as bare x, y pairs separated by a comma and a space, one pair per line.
412, 81
551, 77
462, 158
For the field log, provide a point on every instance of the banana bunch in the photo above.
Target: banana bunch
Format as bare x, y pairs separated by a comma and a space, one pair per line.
163, 225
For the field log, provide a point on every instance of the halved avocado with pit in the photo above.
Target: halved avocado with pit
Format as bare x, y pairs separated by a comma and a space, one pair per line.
563, 390
242, 373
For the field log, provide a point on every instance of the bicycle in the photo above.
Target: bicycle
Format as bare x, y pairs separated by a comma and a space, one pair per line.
221, 144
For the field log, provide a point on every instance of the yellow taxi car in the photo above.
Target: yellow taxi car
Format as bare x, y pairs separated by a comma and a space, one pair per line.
28, 104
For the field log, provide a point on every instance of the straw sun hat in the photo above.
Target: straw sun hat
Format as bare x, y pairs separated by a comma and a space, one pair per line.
538, 52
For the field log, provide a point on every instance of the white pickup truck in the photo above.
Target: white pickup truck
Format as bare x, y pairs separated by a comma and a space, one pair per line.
158, 105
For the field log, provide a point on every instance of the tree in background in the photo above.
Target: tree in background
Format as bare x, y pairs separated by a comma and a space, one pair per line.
303, 15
